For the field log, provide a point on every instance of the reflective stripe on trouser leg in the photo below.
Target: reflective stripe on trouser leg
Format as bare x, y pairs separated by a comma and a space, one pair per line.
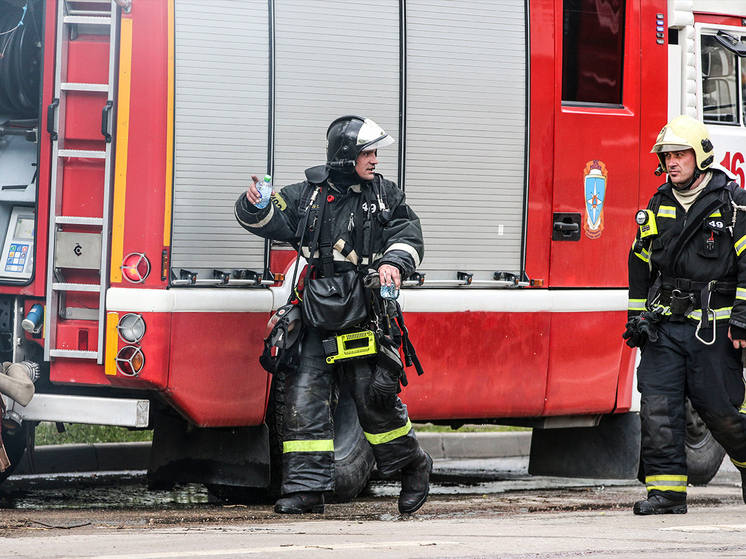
382, 438
389, 431
308, 435
661, 381
308, 446
666, 483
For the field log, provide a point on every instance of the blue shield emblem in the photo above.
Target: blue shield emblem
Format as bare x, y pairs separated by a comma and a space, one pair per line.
595, 194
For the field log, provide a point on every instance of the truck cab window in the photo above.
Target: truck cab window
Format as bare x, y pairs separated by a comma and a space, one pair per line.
743, 85
719, 84
592, 52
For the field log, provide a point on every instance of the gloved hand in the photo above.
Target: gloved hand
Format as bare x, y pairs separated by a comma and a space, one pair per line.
383, 388
641, 328
737, 335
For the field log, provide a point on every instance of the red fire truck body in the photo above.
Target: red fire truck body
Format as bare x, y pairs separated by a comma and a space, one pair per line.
524, 131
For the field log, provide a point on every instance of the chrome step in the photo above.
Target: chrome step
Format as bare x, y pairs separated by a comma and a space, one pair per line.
71, 220
82, 153
88, 20
73, 353
79, 287
72, 86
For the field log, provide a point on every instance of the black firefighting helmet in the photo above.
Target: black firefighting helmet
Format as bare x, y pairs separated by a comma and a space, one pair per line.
349, 135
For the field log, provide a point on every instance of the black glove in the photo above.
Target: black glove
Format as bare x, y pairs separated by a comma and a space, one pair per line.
641, 328
383, 388
737, 333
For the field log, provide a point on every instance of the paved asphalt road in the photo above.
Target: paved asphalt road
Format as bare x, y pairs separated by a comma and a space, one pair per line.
501, 512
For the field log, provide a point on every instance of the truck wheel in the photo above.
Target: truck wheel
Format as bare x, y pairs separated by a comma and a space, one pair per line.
704, 455
353, 456
15, 443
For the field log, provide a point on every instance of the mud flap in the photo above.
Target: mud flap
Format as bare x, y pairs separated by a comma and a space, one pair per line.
610, 450
220, 456
4, 460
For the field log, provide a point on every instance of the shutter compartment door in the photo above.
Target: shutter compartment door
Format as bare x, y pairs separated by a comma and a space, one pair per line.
333, 58
466, 134
220, 130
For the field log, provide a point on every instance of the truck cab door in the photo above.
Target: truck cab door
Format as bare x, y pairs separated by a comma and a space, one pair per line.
609, 102
596, 138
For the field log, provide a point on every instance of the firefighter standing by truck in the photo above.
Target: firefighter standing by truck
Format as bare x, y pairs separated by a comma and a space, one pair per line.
347, 220
687, 311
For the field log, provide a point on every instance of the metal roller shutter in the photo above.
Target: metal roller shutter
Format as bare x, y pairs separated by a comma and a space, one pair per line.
466, 133
221, 129
334, 58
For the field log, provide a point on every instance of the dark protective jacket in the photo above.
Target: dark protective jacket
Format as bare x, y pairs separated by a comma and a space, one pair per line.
704, 244
361, 232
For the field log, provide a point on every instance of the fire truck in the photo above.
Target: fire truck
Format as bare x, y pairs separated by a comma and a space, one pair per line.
128, 128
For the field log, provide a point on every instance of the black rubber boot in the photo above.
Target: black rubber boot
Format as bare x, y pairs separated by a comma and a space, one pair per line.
658, 504
415, 483
298, 503
743, 483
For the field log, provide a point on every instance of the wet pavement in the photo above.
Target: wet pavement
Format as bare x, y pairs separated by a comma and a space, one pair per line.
477, 508
458, 487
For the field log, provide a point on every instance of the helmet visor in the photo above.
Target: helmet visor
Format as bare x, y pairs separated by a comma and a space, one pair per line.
371, 136
662, 148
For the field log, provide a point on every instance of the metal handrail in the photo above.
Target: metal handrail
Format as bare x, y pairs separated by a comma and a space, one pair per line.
126, 5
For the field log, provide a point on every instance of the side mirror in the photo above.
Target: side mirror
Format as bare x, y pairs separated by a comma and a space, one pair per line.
731, 43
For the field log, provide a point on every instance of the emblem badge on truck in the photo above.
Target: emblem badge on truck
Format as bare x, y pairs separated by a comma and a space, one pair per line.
594, 184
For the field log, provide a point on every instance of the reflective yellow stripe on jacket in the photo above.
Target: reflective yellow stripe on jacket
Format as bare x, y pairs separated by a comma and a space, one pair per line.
666, 483
636, 305
643, 255
667, 211
740, 245
720, 314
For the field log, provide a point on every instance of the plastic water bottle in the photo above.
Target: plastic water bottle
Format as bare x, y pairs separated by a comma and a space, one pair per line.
265, 191
389, 291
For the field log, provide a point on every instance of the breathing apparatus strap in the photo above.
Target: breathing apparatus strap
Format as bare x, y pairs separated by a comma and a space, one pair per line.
322, 239
325, 236
410, 355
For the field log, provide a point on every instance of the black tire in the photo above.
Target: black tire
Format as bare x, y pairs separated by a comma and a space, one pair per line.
353, 456
15, 442
704, 455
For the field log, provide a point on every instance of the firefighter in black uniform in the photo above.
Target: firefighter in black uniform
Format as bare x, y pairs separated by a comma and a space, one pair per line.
687, 311
371, 228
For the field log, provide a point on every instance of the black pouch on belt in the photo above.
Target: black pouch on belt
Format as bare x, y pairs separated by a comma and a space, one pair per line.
334, 303
681, 305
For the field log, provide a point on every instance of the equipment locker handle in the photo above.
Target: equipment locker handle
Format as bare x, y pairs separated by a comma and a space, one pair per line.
560, 226
105, 120
51, 111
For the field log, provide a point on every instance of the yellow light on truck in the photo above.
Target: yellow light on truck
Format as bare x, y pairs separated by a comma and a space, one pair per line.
130, 360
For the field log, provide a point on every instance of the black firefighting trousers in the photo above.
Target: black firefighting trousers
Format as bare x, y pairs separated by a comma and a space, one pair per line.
679, 365
308, 428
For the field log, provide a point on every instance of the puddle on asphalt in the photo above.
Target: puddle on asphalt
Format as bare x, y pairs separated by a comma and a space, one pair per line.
129, 490
93, 491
